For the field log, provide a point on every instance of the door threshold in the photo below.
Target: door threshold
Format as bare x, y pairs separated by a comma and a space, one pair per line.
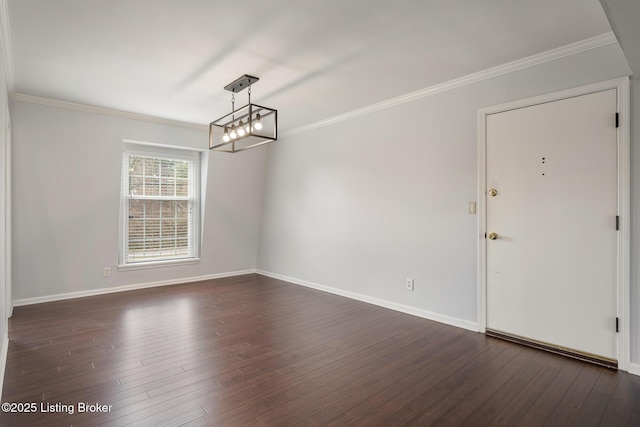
574, 354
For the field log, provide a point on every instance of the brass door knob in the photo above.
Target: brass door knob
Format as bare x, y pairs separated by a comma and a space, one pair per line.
493, 192
493, 236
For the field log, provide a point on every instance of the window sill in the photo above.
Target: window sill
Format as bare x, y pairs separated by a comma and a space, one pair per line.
157, 264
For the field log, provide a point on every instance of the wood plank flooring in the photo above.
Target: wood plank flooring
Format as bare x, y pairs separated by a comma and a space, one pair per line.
255, 351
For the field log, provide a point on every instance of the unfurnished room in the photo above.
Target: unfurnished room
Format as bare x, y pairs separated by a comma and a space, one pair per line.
337, 213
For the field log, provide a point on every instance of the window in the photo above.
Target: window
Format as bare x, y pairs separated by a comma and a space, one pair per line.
160, 205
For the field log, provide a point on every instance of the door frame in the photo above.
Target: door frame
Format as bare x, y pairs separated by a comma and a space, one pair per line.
623, 166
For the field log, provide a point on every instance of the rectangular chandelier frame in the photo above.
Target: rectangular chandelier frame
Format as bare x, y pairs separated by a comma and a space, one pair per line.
247, 127
253, 137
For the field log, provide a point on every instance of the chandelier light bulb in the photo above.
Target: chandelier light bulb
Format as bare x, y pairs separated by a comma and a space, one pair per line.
258, 123
241, 129
226, 137
233, 133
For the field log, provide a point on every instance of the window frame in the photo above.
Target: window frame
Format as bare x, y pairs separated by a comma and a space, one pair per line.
160, 152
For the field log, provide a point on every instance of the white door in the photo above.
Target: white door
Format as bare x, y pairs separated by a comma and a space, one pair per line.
551, 271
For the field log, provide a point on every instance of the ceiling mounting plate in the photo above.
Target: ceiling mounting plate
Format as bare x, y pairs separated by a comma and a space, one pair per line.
241, 83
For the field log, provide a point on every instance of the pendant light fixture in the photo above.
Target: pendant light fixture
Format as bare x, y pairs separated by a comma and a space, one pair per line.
247, 127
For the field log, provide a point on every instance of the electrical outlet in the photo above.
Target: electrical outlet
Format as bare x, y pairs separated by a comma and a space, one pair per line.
272, 258
408, 284
106, 272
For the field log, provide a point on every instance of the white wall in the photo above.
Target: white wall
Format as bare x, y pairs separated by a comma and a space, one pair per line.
361, 204
66, 188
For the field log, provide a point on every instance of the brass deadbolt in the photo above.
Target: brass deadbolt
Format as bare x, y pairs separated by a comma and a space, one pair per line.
493, 192
493, 236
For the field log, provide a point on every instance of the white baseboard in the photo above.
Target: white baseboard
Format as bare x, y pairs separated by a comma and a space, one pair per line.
3, 360
453, 321
102, 291
634, 368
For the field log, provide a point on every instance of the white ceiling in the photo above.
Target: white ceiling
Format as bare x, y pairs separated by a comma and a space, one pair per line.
315, 59
624, 16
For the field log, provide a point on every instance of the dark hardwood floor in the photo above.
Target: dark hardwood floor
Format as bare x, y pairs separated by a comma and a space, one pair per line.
254, 351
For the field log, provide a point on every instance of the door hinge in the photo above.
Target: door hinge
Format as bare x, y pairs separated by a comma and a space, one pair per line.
617, 324
617, 222
617, 120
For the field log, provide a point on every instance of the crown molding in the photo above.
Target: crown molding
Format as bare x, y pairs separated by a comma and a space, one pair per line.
530, 61
5, 41
104, 111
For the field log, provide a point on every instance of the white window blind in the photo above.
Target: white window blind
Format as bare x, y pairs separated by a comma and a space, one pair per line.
160, 205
